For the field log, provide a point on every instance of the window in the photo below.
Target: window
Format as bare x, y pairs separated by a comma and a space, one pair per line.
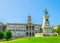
46, 19
33, 28
13, 30
27, 28
30, 33
27, 33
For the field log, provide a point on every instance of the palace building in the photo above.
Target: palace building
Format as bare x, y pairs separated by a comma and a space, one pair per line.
30, 29
21, 30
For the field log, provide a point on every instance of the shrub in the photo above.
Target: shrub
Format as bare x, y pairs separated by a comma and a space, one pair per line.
1, 34
7, 34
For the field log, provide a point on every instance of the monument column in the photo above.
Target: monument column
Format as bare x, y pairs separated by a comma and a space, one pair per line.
46, 25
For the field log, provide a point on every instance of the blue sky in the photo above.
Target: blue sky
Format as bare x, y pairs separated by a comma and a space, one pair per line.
17, 11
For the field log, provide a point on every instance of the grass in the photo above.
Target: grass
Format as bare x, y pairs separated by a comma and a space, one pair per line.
45, 39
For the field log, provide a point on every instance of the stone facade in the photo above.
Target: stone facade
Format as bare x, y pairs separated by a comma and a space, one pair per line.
21, 30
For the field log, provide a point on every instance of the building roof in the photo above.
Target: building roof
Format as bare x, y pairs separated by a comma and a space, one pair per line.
23, 24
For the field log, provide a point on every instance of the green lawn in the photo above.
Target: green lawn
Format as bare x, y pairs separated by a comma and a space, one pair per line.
45, 39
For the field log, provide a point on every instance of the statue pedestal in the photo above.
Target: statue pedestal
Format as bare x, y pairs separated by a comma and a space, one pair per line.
38, 34
45, 34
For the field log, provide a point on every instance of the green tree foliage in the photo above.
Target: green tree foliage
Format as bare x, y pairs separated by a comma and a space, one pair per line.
54, 30
1, 34
7, 34
57, 29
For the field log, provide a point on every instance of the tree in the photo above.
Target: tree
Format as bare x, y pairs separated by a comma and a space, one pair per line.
7, 34
1, 34
57, 29
54, 30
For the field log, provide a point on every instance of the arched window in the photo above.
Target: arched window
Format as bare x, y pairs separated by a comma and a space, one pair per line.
27, 33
